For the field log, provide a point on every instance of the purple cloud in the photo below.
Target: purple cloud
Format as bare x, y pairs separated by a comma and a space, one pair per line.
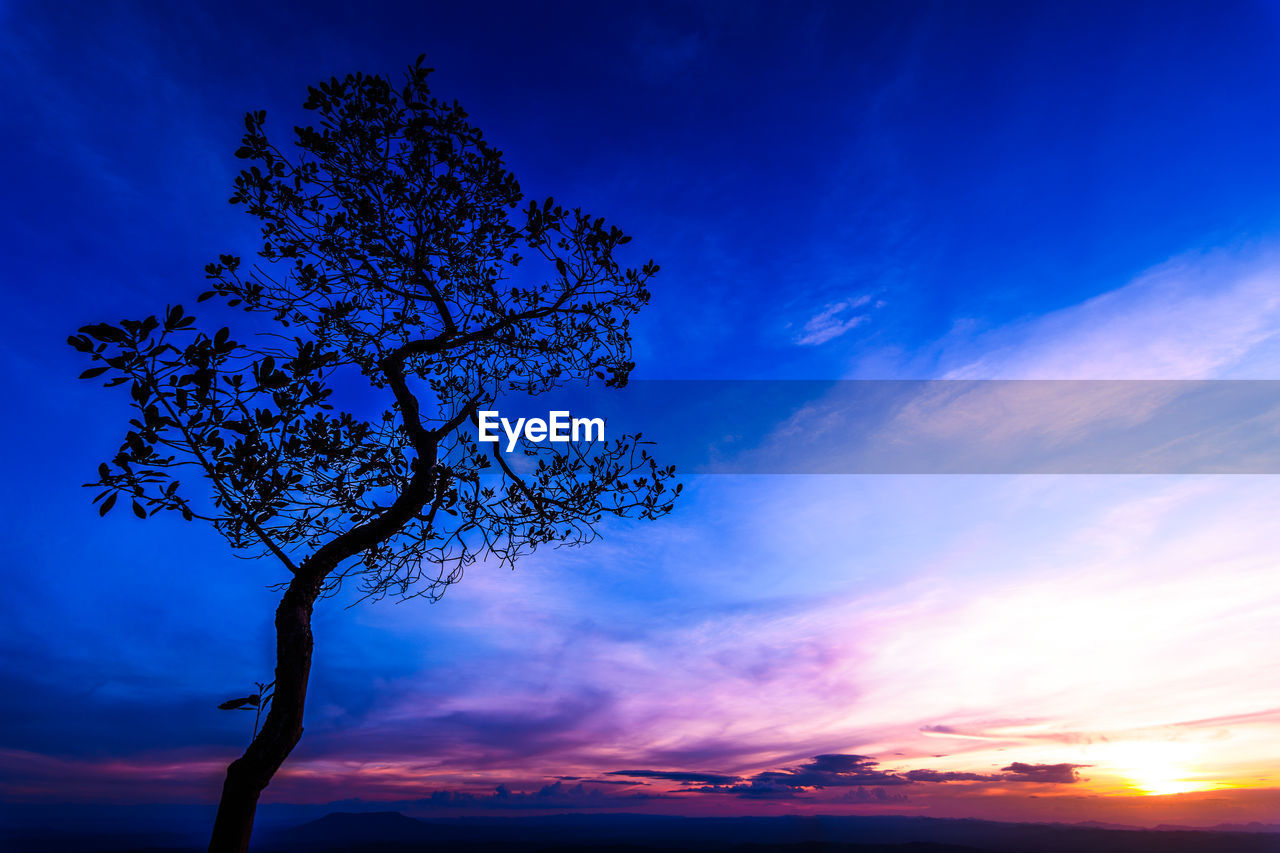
557, 795
834, 770
872, 796
947, 776
859, 772
688, 777
756, 789
1062, 774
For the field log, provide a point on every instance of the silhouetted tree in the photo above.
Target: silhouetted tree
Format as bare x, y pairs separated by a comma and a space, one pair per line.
395, 252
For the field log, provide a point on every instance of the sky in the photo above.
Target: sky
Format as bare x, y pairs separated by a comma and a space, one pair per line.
847, 191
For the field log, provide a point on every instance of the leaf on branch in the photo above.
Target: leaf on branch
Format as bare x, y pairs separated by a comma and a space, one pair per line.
244, 702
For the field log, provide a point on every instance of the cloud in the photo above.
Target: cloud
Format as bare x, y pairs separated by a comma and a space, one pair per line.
953, 732
834, 770
485, 735
756, 789
925, 775
1060, 774
557, 795
685, 776
833, 321
863, 774
872, 796
1201, 315
840, 763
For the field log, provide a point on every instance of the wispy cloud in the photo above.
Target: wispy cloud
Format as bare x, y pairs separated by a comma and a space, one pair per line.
833, 321
1202, 315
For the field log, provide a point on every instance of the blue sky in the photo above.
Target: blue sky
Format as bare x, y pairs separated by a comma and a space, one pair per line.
905, 190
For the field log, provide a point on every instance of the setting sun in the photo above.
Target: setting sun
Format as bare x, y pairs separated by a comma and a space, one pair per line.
1158, 768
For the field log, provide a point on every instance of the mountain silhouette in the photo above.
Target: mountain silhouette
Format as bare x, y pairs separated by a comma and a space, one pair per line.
395, 832
621, 833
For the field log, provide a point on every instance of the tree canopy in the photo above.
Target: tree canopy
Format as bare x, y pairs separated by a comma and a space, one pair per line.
396, 249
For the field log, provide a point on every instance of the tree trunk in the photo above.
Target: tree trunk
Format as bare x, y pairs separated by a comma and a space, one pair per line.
249, 774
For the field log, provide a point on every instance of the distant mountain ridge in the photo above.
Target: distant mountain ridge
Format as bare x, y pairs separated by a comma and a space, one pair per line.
350, 832
395, 832
1252, 826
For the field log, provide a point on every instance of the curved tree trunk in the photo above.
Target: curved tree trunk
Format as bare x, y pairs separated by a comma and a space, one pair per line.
249, 774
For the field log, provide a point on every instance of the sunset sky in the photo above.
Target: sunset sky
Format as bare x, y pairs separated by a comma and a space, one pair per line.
959, 190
